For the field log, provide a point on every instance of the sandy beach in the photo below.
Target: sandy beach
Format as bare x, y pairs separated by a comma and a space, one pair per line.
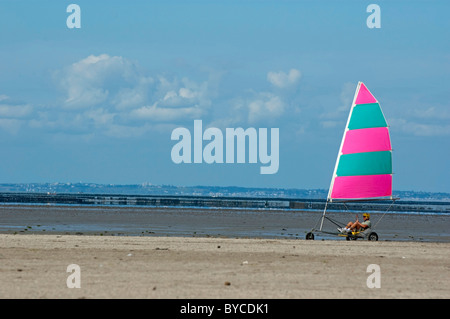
35, 266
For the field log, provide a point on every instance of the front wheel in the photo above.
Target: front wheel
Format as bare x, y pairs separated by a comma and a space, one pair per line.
373, 236
309, 236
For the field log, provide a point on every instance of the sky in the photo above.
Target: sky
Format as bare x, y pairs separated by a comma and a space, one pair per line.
99, 103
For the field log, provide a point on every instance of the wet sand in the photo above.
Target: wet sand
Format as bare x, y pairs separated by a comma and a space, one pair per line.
197, 222
35, 266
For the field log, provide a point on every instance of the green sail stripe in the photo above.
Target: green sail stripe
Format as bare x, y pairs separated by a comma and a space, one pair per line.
370, 163
366, 116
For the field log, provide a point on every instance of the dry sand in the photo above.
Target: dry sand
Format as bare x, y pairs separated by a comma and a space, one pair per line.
35, 266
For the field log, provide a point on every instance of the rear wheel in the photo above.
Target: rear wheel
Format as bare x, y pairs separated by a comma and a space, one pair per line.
309, 236
373, 236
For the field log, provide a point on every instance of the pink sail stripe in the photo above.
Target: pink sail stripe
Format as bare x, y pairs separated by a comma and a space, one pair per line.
367, 140
364, 96
366, 186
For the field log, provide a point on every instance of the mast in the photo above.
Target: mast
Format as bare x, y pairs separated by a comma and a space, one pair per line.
342, 143
329, 199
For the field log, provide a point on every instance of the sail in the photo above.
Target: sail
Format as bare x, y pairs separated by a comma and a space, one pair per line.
363, 167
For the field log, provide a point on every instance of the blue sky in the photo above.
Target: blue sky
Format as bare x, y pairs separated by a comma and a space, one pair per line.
98, 104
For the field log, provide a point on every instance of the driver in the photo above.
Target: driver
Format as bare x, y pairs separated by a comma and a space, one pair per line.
357, 225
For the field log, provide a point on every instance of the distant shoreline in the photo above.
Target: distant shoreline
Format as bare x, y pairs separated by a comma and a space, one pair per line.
211, 202
149, 189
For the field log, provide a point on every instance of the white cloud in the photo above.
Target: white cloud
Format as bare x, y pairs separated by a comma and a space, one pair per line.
111, 94
95, 79
419, 129
99, 116
137, 95
186, 93
284, 80
418, 118
266, 106
175, 100
13, 114
155, 113
432, 112
15, 111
